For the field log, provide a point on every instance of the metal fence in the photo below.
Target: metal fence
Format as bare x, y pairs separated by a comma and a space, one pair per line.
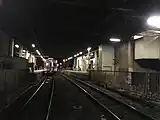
142, 84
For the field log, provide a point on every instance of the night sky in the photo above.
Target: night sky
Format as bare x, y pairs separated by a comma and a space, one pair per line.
61, 28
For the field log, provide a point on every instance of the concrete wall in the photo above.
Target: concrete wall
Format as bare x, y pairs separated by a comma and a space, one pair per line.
2, 90
147, 48
81, 64
16, 63
14, 82
126, 54
122, 57
10, 83
106, 57
5, 47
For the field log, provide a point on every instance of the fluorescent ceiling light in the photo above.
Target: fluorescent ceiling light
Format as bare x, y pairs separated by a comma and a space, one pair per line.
154, 21
89, 48
115, 40
70, 58
17, 46
91, 54
33, 45
80, 53
135, 37
38, 52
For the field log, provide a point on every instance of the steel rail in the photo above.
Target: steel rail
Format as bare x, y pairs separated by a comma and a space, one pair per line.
50, 102
33, 95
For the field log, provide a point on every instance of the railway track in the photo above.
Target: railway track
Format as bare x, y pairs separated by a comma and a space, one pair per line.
116, 109
50, 102
37, 103
70, 103
11, 110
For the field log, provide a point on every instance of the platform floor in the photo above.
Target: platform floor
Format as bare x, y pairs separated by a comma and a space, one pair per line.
73, 71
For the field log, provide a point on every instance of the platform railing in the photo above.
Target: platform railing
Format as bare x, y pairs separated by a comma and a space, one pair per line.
142, 84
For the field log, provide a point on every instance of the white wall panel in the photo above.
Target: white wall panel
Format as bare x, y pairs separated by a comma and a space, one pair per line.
147, 48
107, 57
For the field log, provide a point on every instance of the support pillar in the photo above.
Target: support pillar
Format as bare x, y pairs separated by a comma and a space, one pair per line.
130, 56
100, 58
75, 64
96, 60
20, 51
26, 54
5, 45
130, 61
84, 63
12, 48
30, 58
1, 2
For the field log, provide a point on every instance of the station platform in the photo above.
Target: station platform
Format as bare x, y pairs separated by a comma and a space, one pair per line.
72, 71
40, 71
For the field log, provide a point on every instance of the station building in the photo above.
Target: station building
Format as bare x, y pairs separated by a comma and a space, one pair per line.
140, 53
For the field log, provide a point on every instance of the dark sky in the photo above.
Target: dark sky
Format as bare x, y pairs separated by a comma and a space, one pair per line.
65, 27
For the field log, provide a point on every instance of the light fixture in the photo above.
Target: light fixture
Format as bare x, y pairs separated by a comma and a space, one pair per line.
135, 37
91, 54
60, 63
88, 49
17, 46
50, 58
47, 64
80, 53
115, 39
70, 58
64, 60
157, 31
44, 60
33, 45
75, 55
41, 56
154, 21
38, 52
